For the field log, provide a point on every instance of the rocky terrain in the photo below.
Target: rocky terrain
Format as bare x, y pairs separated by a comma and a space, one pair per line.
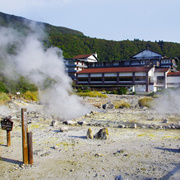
142, 143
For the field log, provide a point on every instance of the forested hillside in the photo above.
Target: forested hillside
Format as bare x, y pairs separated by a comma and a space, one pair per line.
74, 42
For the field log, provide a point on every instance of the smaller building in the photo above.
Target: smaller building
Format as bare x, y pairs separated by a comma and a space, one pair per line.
173, 80
79, 63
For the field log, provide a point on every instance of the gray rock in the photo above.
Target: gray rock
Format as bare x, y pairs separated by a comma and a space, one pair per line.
54, 123
89, 134
69, 122
133, 126
102, 134
108, 105
63, 129
121, 126
81, 123
120, 177
88, 115
165, 121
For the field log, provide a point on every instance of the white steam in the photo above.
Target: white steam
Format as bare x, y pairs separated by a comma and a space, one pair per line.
37, 64
168, 102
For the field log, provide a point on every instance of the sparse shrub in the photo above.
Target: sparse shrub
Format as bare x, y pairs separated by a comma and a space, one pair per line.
4, 97
122, 90
92, 94
79, 90
114, 92
121, 104
145, 102
3, 87
31, 95
87, 90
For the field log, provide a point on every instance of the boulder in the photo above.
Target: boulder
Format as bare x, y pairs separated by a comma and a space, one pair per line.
69, 122
81, 123
89, 134
133, 126
120, 177
63, 129
102, 134
121, 126
108, 105
53, 123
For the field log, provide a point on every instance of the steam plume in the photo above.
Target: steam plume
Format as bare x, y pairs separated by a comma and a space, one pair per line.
168, 102
32, 61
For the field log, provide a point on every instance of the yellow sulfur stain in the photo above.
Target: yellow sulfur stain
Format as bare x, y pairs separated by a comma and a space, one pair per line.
170, 137
33, 126
146, 134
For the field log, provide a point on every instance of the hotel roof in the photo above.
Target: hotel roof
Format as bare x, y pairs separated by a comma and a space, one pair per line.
114, 70
82, 56
161, 69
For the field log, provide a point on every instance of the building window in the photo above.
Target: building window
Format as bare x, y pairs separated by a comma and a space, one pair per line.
110, 78
126, 63
160, 79
96, 78
125, 78
82, 78
70, 62
140, 78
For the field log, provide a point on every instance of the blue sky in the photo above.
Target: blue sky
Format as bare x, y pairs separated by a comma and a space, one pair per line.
105, 19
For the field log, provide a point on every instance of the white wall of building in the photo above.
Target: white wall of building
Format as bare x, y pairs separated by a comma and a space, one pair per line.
152, 88
140, 88
173, 81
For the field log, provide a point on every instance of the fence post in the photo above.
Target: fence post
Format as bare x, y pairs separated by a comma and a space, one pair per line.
30, 148
24, 135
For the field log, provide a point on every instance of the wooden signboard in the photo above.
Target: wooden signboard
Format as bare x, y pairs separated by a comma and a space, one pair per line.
7, 124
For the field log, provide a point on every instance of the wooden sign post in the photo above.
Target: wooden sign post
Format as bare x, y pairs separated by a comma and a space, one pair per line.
24, 135
8, 138
7, 124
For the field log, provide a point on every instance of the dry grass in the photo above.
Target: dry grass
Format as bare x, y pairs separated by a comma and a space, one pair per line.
121, 104
145, 102
31, 95
92, 94
4, 98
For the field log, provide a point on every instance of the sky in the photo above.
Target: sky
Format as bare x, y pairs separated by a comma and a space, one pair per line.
105, 19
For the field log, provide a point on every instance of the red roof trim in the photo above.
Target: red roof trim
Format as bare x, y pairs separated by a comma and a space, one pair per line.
82, 56
114, 70
161, 69
174, 73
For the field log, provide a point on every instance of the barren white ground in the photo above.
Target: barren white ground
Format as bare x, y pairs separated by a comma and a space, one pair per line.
134, 153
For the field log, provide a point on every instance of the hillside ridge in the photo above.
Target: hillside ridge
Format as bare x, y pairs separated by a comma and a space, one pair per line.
8, 20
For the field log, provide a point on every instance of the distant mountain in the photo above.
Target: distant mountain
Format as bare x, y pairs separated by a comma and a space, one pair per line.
17, 22
74, 42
